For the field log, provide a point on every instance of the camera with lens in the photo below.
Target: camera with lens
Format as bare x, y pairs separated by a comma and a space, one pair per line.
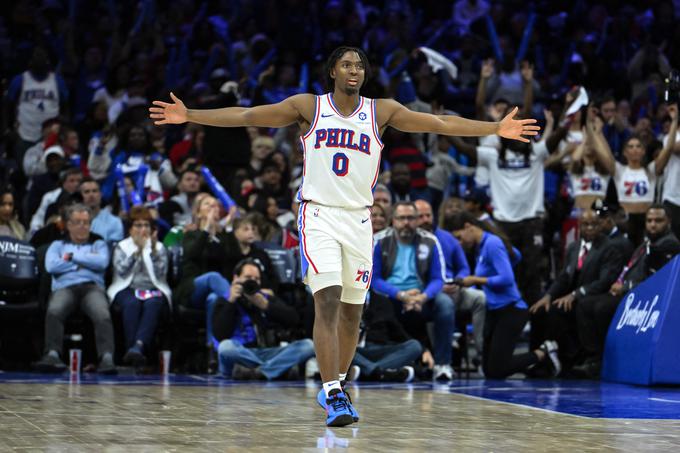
671, 94
250, 287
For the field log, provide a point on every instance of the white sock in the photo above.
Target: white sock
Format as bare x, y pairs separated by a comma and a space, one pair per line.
331, 385
343, 377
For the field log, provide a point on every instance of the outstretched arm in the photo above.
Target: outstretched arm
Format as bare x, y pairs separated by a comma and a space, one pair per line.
664, 156
296, 108
392, 113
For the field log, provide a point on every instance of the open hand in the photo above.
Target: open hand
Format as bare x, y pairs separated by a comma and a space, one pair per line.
565, 303
515, 129
166, 113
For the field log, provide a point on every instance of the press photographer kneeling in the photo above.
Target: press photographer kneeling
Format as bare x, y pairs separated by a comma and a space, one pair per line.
249, 327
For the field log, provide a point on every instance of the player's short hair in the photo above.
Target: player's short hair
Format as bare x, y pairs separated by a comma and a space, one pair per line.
336, 55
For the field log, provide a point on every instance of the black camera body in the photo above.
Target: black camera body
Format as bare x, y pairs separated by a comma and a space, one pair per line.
671, 94
250, 287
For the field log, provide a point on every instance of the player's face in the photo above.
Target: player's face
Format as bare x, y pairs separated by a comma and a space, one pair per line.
656, 222
349, 73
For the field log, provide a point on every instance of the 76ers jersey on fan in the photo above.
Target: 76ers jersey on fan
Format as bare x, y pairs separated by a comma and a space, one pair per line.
341, 155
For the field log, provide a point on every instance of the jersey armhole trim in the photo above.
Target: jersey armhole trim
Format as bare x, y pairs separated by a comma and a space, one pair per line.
317, 110
374, 123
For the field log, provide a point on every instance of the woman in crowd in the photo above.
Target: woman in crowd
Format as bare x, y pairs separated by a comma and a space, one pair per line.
378, 218
9, 223
139, 286
506, 311
203, 265
636, 181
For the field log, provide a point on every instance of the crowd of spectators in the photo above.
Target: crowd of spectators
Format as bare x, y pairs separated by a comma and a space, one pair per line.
480, 231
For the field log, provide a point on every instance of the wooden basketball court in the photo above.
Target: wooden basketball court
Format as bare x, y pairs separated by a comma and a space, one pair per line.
197, 413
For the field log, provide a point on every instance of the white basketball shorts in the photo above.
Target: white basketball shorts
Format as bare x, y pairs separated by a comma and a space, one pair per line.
336, 249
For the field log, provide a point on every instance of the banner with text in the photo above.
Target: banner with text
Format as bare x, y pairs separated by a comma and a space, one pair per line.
643, 342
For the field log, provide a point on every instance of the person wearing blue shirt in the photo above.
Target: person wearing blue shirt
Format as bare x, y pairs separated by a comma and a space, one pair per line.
506, 311
77, 265
468, 300
105, 224
408, 267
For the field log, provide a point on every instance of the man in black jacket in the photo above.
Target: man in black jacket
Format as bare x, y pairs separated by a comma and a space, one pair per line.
590, 267
248, 327
386, 351
658, 248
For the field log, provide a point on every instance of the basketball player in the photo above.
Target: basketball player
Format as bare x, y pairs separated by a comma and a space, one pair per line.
341, 142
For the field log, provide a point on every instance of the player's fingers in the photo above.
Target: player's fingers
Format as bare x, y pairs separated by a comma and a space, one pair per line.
174, 98
158, 123
529, 132
161, 104
157, 116
531, 128
527, 121
522, 139
156, 110
512, 113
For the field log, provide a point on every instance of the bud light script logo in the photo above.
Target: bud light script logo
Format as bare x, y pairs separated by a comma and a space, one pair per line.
643, 319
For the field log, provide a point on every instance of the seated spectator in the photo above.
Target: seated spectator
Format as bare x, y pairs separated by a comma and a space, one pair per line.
240, 244
590, 267
378, 218
77, 265
139, 285
188, 151
659, 247
34, 160
203, 264
400, 184
9, 223
39, 185
468, 300
134, 150
408, 267
383, 197
177, 210
386, 352
261, 147
69, 181
249, 324
506, 312
476, 201
105, 224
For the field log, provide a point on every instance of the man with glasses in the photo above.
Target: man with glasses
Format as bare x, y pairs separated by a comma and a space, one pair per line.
409, 268
77, 265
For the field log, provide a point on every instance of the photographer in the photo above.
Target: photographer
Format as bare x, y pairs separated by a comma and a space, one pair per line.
248, 326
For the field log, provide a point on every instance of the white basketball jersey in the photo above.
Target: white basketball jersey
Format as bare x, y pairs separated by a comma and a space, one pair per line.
590, 182
341, 155
38, 102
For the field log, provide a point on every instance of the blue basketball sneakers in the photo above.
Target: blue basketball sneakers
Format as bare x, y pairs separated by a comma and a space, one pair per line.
321, 399
337, 409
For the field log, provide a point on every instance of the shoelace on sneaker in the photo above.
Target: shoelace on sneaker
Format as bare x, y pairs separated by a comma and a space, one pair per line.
338, 403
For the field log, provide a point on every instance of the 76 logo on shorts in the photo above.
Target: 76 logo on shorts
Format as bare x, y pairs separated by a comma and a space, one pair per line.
362, 276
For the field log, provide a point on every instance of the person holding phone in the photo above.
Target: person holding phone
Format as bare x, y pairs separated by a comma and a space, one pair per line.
506, 312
